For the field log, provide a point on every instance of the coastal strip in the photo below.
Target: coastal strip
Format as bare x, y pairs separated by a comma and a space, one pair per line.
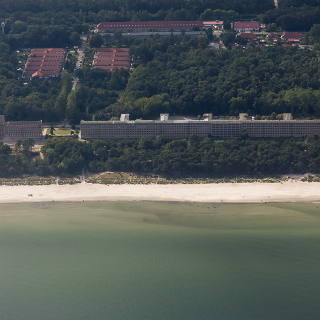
288, 191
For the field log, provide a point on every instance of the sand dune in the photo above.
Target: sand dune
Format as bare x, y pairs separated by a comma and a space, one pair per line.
289, 191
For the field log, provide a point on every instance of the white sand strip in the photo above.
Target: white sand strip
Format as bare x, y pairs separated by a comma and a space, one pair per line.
291, 191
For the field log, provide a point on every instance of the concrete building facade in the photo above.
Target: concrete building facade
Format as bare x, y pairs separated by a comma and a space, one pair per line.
157, 26
184, 128
13, 131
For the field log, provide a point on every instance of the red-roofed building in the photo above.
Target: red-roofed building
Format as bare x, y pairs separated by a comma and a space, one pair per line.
246, 26
273, 37
44, 63
247, 36
292, 36
215, 25
112, 59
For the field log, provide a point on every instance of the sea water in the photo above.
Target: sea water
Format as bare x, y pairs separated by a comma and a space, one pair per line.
144, 260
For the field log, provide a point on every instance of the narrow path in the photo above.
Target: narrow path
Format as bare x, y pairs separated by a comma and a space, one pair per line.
80, 59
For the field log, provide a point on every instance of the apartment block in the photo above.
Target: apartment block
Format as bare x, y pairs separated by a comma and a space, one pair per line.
157, 26
13, 131
174, 129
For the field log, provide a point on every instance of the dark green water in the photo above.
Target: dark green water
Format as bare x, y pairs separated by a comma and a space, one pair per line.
140, 261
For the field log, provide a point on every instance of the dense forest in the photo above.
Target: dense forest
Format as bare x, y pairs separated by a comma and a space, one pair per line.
293, 19
192, 7
298, 3
175, 75
196, 80
183, 76
33, 23
178, 75
294, 15
37, 100
175, 158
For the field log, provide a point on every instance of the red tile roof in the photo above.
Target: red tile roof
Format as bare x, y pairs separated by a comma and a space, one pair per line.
215, 22
112, 59
246, 35
292, 35
45, 62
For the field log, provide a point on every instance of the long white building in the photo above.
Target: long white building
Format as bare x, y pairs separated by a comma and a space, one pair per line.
127, 129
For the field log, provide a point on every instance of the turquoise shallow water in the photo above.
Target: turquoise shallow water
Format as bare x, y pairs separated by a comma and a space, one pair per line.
155, 261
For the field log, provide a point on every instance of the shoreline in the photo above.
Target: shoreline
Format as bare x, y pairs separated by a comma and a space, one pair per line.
116, 178
255, 192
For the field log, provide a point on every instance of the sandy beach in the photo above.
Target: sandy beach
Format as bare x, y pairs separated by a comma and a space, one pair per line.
290, 191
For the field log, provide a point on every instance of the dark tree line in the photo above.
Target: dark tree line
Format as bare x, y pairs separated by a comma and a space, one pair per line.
298, 3
151, 6
292, 18
294, 15
190, 79
33, 23
175, 75
185, 157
